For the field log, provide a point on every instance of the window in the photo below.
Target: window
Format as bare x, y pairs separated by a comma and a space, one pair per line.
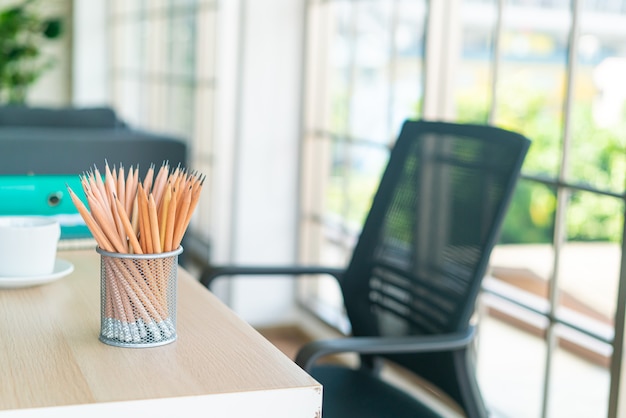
163, 73
548, 69
364, 65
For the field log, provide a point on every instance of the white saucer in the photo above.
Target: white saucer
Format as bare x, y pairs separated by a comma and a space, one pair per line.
61, 268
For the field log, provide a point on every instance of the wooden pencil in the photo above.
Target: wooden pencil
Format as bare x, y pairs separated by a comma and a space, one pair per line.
96, 190
119, 226
170, 223
136, 182
195, 198
163, 212
99, 183
147, 181
106, 226
132, 237
134, 221
93, 226
121, 186
128, 193
154, 225
109, 183
160, 183
181, 214
144, 220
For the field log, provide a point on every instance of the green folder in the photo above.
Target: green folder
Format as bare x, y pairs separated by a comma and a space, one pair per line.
44, 195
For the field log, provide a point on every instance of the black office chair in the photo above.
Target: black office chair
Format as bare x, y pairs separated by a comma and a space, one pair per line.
411, 285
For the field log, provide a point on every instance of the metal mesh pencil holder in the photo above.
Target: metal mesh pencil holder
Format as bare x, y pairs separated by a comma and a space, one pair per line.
138, 298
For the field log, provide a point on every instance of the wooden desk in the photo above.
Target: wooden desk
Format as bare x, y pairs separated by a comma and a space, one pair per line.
53, 365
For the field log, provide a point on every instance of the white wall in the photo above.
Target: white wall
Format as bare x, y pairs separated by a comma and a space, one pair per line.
258, 149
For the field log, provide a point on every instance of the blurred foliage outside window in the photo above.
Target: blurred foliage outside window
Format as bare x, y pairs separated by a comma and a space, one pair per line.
530, 100
597, 159
23, 30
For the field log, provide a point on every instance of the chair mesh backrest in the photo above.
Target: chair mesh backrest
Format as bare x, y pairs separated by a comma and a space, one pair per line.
426, 242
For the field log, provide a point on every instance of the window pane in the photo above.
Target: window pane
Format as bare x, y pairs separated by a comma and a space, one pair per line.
155, 33
125, 6
530, 218
590, 261
203, 126
205, 48
128, 98
127, 38
154, 47
578, 388
183, 4
474, 78
600, 102
406, 69
340, 56
375, 52
366, 167
357, 170
335, 191
511, 367
530, 92
151, 6
155, 102
181, 46
370, 94
181, 105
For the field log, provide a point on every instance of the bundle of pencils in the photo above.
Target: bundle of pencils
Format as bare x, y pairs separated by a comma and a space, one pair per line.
126, 215
147, 219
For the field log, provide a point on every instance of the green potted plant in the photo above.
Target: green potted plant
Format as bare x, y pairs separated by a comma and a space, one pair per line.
22, 34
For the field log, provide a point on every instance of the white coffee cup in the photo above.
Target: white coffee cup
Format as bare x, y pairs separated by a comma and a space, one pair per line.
28, 245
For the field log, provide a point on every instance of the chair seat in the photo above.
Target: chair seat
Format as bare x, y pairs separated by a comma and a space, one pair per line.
357, 393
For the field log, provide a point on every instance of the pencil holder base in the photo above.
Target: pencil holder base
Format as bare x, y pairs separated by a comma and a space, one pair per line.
135, 335
138, 298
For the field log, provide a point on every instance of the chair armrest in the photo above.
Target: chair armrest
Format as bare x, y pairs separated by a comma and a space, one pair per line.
311, 352
210, 273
